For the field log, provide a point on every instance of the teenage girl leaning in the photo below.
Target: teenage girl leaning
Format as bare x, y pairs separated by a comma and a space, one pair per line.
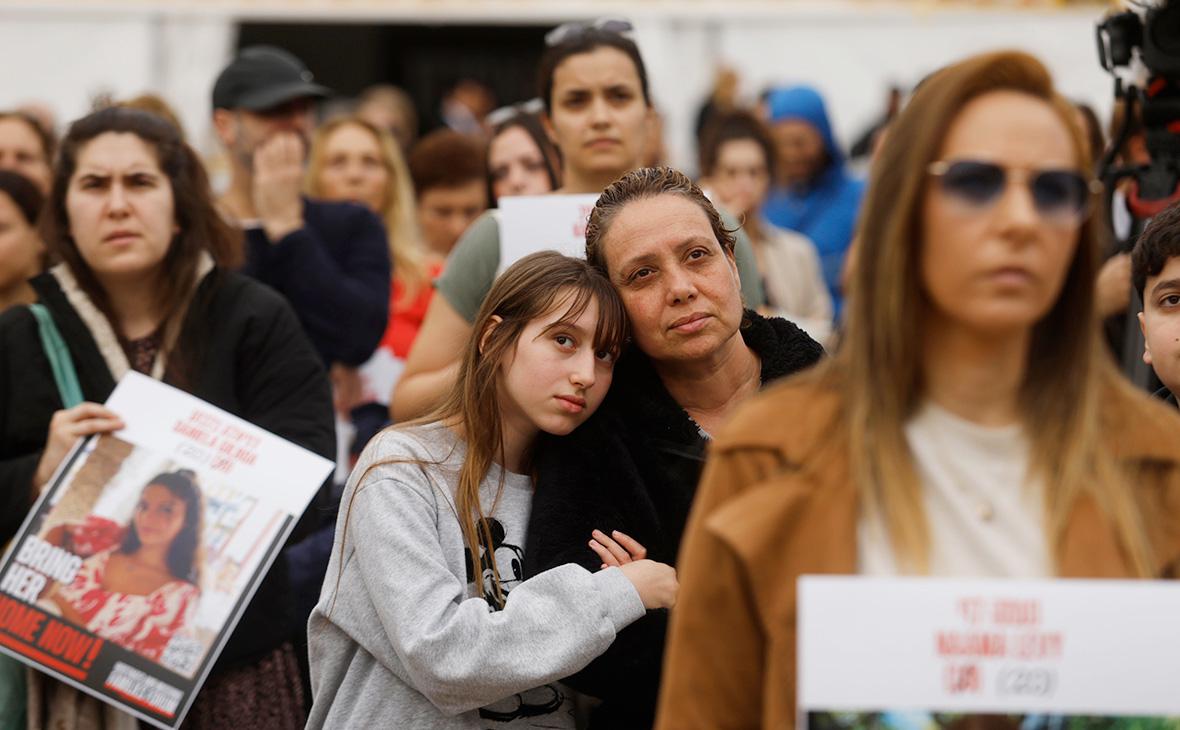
425, 620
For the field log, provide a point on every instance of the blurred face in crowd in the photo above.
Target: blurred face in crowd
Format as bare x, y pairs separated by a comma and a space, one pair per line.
385, 114
159, 516
679, 286
599, 118
1160, 321
516, 164
740, 177
242, 131
120, 208
20, 248
801, 153
21, 151
353, 168
653, 149
445, 212
996, 263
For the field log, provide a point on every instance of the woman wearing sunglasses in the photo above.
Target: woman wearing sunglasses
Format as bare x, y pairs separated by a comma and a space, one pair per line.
597, 109
970, 424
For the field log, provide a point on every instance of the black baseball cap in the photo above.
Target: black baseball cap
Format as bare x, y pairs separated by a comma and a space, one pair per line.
263, 77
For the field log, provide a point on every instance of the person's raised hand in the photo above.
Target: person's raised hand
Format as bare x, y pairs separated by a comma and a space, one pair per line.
278, 180
66, 427
655, 582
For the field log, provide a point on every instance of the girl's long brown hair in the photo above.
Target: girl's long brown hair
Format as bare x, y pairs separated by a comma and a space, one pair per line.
530, 288
878, 364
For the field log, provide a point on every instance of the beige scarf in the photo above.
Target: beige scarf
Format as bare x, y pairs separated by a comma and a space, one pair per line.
54, 704
104, 333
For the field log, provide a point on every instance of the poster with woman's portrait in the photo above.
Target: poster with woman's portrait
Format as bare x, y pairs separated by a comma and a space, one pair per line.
131, 570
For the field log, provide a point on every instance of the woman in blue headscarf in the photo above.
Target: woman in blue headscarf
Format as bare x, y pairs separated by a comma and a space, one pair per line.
815, 194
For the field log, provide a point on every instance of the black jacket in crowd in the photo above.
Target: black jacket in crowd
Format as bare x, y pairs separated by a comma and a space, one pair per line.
247, 354
634, 467
335, 272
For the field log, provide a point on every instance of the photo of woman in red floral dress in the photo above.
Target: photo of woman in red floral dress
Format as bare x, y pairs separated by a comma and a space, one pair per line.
140, 583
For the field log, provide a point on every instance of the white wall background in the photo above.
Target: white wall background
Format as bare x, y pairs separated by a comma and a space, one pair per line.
65, 54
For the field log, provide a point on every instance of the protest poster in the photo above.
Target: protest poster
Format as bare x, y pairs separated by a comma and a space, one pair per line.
133, 567
531, 223
910, 653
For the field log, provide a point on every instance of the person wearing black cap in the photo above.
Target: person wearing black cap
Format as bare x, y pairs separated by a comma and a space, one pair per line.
330, 260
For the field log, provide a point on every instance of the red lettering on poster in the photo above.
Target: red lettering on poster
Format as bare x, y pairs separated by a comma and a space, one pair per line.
579, 229
992, 634
227, 445
20, 620
962, 679
70, 644
34, 634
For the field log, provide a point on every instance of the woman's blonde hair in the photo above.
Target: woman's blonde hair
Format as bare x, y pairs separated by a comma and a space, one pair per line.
878, 365
397, 207
532, 287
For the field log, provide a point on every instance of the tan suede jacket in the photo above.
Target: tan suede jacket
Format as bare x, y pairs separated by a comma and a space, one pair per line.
776, 502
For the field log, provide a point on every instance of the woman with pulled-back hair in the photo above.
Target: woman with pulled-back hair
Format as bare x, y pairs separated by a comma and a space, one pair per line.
619, 488
971, 424
146, 283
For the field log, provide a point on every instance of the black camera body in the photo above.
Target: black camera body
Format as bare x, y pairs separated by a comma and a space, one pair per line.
1157, 37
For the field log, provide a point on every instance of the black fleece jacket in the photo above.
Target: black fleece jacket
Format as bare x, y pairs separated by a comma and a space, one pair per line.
335, 272
246, 353
634, 467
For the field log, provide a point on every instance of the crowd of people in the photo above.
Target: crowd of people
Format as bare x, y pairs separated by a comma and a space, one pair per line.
580, 491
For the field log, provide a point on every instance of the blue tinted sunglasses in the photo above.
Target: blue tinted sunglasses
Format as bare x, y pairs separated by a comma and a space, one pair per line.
1058, 195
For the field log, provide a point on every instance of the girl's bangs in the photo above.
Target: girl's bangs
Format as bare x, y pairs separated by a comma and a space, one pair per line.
610, 331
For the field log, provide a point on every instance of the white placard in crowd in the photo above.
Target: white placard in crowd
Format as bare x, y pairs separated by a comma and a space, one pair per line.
217, 494
531, 223
903, 650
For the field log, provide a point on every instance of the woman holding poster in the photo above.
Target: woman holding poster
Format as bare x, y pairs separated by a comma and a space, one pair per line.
146, 284
140, 583
970, 425
597, 108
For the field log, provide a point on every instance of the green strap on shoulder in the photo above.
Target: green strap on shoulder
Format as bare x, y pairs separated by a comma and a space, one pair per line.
59, 357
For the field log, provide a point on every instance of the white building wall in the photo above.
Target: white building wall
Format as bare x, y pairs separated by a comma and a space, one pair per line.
65, 54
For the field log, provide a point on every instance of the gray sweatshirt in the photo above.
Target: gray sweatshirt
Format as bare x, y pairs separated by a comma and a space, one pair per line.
401, 638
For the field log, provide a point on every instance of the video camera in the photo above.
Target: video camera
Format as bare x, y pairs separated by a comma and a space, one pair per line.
1155, 32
